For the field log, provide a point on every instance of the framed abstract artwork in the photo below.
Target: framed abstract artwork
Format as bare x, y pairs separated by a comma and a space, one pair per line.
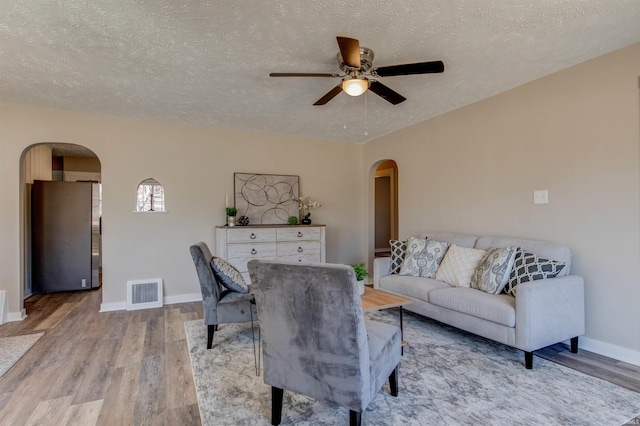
266, 199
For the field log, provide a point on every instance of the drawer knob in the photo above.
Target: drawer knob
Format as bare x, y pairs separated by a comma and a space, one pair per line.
299, 234
252, 236
253, 251
299, 249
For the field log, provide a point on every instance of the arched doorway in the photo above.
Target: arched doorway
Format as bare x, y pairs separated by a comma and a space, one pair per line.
77, 169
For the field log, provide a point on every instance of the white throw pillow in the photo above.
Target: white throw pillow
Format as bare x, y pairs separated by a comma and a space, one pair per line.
493, 271
458, 265
423, 257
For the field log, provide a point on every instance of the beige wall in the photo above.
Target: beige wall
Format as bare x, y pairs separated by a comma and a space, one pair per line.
574, 133
195, 166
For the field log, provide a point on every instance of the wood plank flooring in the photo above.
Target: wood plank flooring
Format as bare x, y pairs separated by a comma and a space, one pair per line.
133, 368
91, 368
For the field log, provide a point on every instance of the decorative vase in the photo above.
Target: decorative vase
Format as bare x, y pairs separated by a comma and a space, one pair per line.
306, 221
231, 220
361, 287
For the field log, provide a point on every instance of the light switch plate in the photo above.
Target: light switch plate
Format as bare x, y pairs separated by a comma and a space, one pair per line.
541, 197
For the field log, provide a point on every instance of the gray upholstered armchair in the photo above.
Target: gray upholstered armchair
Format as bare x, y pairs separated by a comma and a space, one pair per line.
316, 341
220, 305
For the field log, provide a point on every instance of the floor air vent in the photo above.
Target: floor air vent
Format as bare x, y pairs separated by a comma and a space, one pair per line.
144, 294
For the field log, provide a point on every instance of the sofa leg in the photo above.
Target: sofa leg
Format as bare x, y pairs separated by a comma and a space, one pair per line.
276, 405
210, 331
528, 360
574, 345
355, 418
393, 382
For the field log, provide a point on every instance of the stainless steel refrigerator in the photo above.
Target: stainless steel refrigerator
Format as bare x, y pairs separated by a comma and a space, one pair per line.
65, 236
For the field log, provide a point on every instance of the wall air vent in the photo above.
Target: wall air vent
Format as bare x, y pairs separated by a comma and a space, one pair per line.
144, 294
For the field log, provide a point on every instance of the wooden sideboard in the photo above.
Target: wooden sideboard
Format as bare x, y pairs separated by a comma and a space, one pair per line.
293, 243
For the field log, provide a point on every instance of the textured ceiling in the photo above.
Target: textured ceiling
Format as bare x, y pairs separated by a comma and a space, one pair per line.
208, 62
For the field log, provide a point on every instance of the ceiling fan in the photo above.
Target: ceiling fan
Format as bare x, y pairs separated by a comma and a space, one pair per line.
355, 62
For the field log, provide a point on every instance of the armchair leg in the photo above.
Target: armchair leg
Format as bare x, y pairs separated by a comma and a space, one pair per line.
528, 360
276, 405
574, 345
393, 381
355, 418
210, 331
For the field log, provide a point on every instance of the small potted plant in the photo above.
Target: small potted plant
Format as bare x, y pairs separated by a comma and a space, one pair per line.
231, 216
361, 273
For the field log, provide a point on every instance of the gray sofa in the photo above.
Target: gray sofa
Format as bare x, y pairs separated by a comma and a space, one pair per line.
543, 313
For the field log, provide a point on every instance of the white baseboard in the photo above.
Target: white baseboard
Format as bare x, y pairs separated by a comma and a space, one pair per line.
183, 298
609, 350
114, 306
169, 300
16, 316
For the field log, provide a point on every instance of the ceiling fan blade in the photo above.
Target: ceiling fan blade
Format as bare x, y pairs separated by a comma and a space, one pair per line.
332, 94
350, 51
385, 93
408, 69
302, 74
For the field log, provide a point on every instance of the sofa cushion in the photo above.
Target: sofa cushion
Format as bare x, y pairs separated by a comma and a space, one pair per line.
415, 287
530, 267
398, 250
458, 265
493, 271
423, 257
498, 308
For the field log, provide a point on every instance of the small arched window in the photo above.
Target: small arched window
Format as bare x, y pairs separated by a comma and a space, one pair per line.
150, 196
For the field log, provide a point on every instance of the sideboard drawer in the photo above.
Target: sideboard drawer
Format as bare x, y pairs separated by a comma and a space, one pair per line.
309, 257
299, 233
298, 248
257, 250
253, 235
240, 263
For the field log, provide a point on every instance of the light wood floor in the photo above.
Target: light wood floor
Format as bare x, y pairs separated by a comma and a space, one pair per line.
111, 368
133, 368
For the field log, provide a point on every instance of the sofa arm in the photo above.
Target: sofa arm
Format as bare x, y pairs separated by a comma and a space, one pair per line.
549, 311
381, 267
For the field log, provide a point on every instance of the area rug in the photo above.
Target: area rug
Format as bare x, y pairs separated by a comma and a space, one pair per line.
446, 377
13, 348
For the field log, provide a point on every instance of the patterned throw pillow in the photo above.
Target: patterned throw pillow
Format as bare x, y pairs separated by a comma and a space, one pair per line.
529, 267
228, 275
492, 273
458, 265
398, 249
423, 257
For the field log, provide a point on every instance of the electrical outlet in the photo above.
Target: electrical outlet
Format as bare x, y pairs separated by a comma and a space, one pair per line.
84, 282
541, 197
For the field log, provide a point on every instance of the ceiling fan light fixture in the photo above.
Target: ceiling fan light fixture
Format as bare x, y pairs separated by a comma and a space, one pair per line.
355, 86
